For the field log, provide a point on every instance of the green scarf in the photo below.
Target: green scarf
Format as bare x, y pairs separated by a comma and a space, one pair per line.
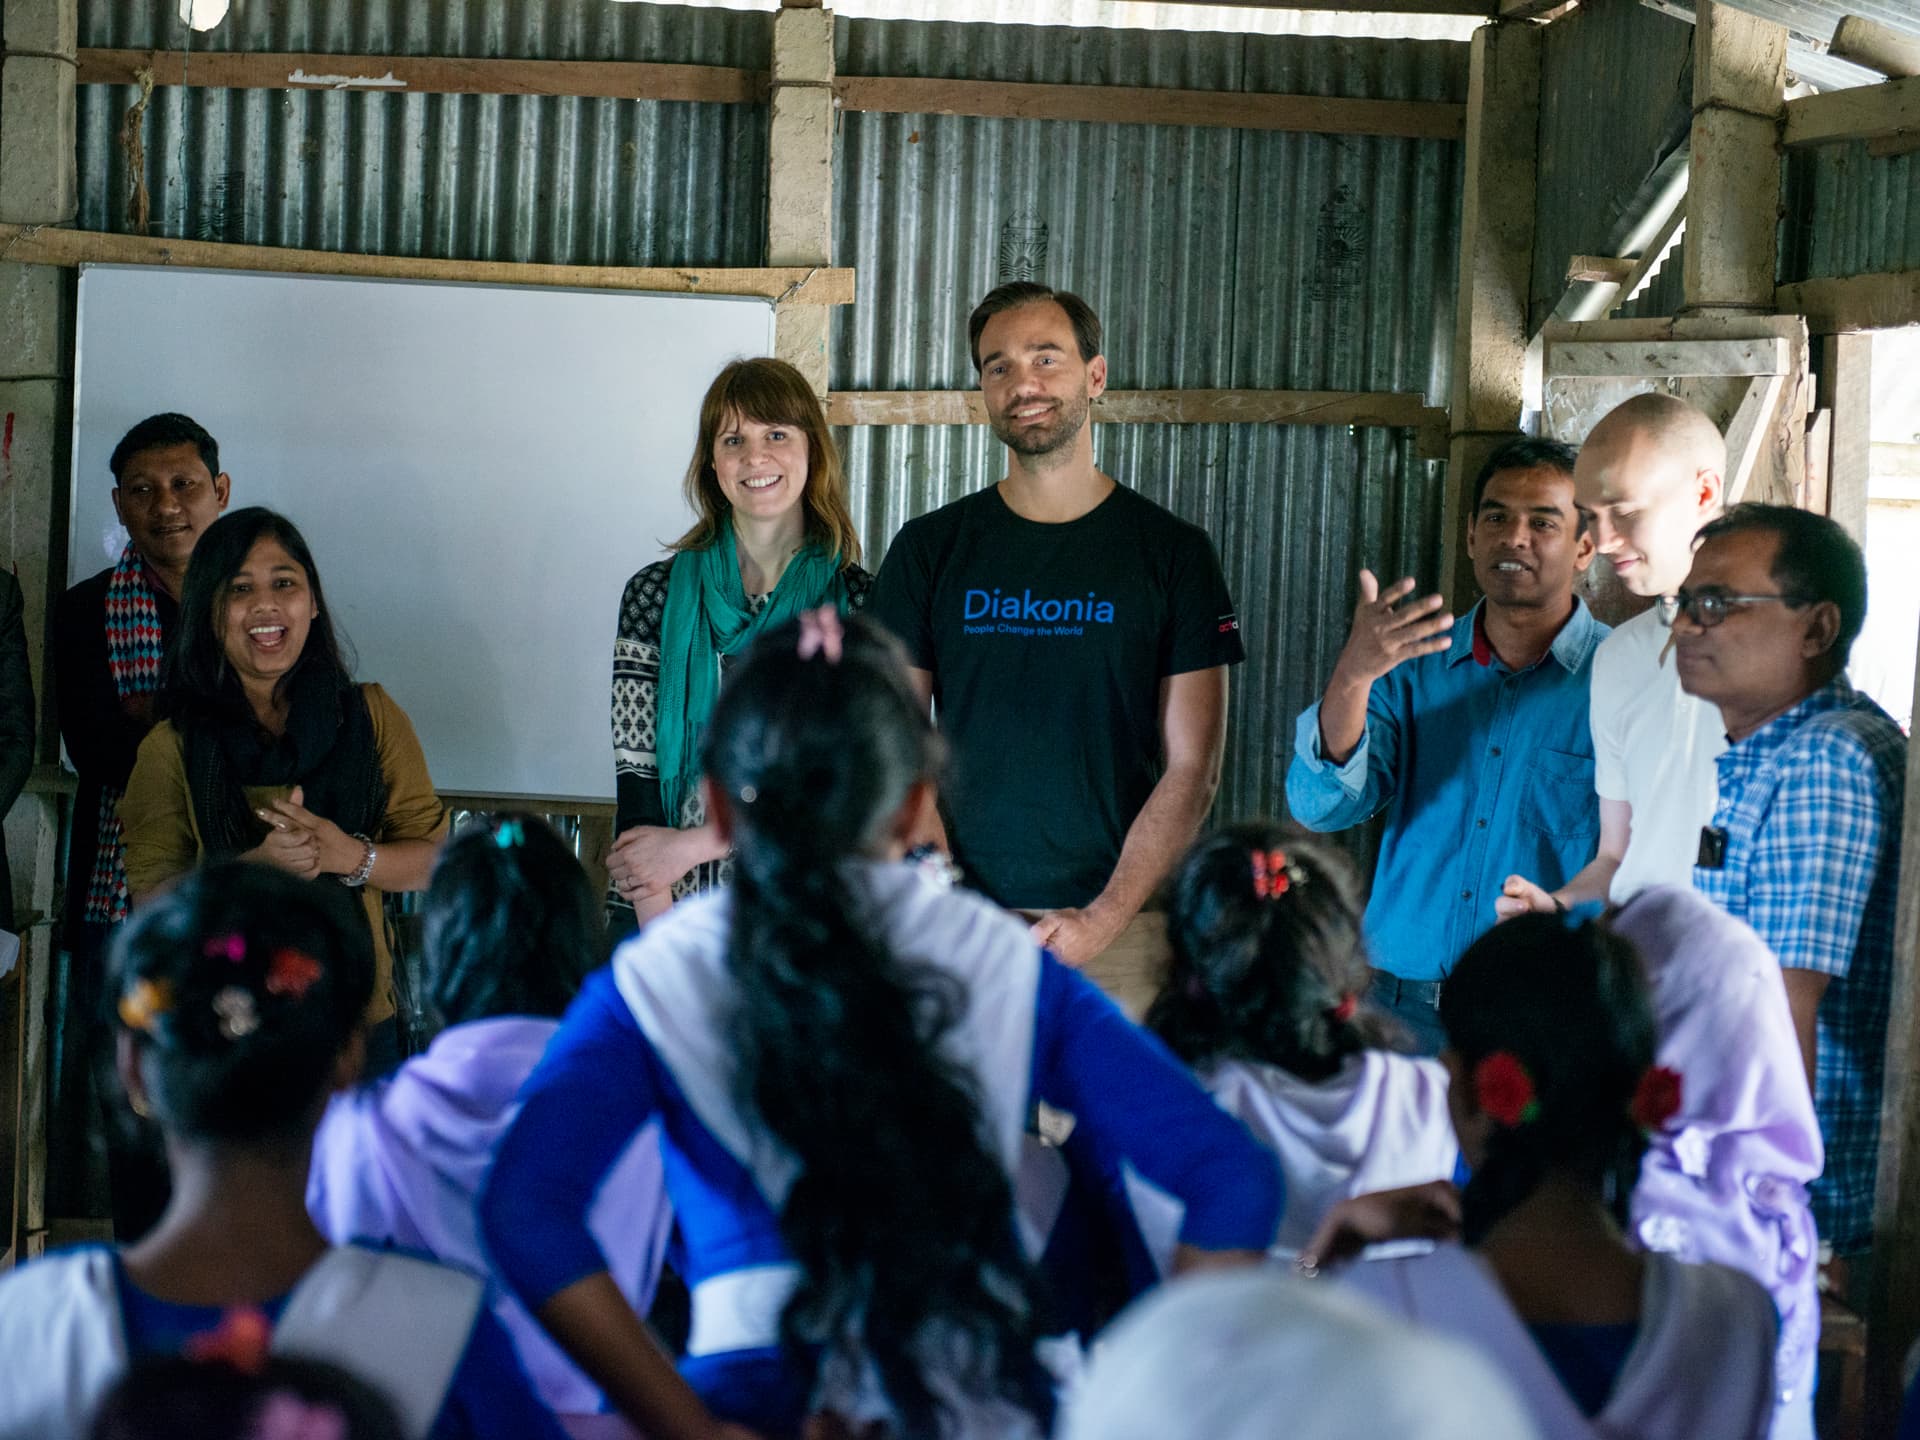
706, 617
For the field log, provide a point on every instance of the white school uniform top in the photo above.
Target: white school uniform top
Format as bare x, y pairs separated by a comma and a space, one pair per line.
1654, 746
399, 1324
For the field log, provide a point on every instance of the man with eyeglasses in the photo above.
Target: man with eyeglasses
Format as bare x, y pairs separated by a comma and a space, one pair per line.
1804, 844
1648, 477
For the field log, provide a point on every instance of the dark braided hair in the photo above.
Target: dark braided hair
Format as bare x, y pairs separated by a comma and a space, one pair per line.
228, 1051
1569, 1002
510, 925
901, 1218
1263, 978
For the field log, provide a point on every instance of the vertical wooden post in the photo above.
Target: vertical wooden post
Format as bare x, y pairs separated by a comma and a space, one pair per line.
1846, 390
1893, 1302
800, 175
1496, 269
38, 186
1733, 190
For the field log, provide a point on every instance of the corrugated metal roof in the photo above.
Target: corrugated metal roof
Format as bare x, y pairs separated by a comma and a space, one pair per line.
526, 29
1849, 213
1812, 23
1216, 259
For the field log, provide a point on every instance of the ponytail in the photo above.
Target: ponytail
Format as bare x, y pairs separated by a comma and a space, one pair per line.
901, 1217
1556, 1019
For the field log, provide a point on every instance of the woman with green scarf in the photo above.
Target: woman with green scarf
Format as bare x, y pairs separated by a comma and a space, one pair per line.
773, 539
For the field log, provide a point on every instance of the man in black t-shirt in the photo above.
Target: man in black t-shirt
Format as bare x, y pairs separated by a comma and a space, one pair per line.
1073, 638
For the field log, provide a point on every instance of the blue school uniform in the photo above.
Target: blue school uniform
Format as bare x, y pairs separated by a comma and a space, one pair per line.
418, 1332
648, 1038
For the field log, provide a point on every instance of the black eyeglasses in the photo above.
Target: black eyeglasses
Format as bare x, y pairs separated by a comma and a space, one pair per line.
1710, 607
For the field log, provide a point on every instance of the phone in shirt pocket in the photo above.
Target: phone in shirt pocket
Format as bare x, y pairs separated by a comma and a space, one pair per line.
1557, 797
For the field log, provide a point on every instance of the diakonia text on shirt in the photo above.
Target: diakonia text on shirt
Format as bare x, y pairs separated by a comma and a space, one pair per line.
996, 605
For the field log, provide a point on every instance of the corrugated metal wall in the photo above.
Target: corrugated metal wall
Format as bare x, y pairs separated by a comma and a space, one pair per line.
1218, 258
1616, 97
1849, 214
467, 177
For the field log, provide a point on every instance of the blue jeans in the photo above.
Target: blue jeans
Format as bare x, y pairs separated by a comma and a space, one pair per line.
1415, 1004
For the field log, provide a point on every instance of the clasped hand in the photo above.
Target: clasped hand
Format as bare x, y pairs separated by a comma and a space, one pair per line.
303, 843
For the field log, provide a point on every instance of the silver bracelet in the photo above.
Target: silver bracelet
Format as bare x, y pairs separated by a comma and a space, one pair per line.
364, 869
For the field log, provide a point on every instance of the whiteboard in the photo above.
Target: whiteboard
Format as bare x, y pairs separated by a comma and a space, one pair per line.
479, 469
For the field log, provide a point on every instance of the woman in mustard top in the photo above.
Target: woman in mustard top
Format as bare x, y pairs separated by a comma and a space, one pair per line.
268, 750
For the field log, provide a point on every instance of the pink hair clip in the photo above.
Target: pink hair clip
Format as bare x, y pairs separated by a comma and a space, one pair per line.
285, 1416
821, 634
231, 946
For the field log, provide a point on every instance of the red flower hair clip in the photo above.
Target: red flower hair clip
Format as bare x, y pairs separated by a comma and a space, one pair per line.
241, 1342
1503, 1088
1656, 1099
1274, 874
291, 972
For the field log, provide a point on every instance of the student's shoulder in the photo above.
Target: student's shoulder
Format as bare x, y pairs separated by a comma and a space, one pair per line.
949, 519
1132, 508
1858, 732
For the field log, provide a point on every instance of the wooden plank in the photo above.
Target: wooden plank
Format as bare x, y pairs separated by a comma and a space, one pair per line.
1151, 407
1885, 111
1604, 360
1490, 338
1747, 433
1893, 1302
426, 74
1740, 60
1856, 302
1598, 269
1356, 7
1846, 390
1791, 328
792, 285
1876, 46
1139, 105
1542, 10
800, 128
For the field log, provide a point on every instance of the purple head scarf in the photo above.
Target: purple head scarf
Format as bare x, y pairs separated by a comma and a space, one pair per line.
1727, 1178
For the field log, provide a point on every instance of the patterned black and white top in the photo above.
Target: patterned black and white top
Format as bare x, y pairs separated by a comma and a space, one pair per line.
636, 688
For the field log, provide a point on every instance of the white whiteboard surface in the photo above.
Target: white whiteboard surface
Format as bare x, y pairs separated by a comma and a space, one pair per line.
478, 469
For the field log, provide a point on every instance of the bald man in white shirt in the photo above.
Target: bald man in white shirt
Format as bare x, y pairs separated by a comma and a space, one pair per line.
1649, 476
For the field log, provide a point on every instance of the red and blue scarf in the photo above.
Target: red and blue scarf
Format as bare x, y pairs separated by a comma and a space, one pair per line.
134, 647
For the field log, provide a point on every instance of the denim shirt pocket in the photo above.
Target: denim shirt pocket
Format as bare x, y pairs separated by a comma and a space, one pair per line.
1558, 797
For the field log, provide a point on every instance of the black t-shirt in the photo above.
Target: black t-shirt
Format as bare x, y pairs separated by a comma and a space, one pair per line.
1047, 645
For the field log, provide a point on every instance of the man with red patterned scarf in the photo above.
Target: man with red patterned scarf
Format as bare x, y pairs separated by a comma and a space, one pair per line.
109, 633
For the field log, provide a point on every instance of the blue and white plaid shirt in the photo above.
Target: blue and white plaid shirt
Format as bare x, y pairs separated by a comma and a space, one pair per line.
1811, 805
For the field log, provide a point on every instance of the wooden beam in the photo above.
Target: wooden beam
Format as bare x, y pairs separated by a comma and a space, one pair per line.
800, 127
1733, 183
1846, 392
1856, 302
1157, 407
1148, 407
1885, 111
1652, 359
1747, 433
1791, 328
1139, 105
426, 74
638, 80
792, 285
1893, 1301
1598, 269
1876, 46
1533, 9
1355, 7
1496, 269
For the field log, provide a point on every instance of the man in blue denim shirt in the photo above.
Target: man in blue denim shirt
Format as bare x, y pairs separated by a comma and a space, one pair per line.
1472, 735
